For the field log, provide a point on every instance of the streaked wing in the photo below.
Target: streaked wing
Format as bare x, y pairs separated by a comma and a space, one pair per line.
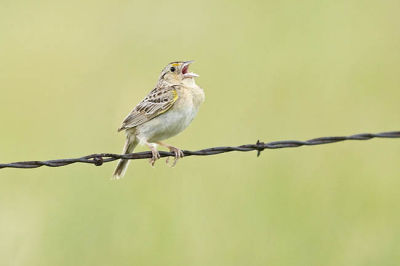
158, 101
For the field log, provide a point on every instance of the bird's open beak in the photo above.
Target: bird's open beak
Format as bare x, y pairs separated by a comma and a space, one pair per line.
185, 69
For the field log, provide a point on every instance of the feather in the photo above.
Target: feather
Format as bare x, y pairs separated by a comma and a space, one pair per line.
158, 101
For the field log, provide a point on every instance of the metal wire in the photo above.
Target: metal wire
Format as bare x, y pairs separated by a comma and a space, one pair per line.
99, 159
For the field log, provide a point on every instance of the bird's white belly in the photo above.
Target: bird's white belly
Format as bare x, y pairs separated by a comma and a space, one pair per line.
168, 124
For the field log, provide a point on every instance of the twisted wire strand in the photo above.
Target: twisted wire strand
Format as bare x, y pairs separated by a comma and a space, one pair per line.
101, 158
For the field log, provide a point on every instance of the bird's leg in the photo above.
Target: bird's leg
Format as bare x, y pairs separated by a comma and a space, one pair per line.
178, 152
154, 152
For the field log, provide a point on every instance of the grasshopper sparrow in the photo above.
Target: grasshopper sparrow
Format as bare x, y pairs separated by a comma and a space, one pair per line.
166, 111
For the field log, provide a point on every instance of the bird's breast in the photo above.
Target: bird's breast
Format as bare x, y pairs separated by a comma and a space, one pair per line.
176, 119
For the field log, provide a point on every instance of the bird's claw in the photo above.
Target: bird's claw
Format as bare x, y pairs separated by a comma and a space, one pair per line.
156, 156
178, 154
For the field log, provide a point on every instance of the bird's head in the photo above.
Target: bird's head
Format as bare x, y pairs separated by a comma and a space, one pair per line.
177, 72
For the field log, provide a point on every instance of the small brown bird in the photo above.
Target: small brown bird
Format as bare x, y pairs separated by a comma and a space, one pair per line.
166, 111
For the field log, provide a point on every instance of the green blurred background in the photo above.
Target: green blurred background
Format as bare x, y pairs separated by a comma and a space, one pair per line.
71, 71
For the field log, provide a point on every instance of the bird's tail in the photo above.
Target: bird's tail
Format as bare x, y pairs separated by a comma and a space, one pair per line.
130, 144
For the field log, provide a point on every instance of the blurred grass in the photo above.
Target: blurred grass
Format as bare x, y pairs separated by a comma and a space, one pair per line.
71, 71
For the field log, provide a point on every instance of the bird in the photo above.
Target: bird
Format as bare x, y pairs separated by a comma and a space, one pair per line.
165, 112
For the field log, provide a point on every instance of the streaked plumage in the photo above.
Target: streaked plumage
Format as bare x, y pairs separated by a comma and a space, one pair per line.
166, 111
157, 102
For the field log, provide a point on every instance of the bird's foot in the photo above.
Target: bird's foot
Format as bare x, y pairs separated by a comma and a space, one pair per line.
178, 154
156, 156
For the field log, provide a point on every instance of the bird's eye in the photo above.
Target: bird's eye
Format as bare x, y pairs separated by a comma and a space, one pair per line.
172, 69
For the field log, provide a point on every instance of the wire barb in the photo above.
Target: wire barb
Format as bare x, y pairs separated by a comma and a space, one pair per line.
98, 160
101, 158
260, 147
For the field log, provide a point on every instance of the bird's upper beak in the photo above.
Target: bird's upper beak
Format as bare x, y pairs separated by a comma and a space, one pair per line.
185, 68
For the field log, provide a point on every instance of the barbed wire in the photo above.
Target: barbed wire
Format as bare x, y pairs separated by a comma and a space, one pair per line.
101, 158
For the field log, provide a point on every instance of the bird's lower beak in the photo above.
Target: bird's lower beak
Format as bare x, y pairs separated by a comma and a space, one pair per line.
185, 69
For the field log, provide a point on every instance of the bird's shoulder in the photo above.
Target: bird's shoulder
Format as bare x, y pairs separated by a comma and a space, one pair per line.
158, 101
